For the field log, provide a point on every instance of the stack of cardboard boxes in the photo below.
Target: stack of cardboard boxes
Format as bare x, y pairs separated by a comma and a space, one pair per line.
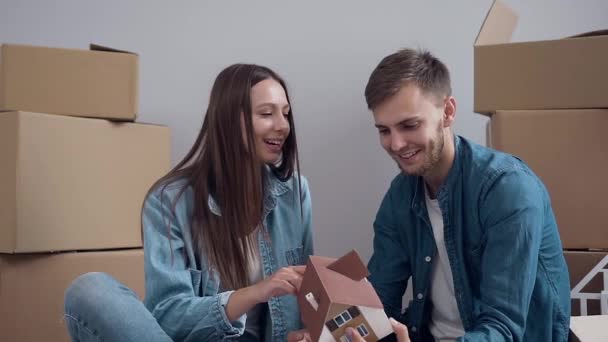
74, 171
548, 103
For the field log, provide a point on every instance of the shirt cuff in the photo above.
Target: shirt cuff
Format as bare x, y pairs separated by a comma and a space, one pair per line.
224, 326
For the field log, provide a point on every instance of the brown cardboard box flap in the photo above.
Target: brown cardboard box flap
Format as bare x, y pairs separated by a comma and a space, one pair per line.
591, 34
97, 47
501, 21
498, 26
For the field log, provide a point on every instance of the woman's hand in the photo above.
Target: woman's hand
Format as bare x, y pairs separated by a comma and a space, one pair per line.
286, 280
399, 329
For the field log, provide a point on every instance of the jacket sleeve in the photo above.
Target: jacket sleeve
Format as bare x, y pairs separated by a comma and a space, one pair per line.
511, 211
389, 266
170, 293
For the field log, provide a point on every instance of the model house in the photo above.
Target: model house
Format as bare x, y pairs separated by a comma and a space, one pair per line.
335, 294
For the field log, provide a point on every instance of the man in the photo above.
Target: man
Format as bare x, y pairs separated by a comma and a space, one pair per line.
473, 227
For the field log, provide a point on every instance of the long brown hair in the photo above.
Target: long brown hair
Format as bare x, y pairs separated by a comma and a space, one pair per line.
221, 165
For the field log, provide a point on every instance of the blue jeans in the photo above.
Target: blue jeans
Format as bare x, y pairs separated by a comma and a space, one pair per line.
99, 308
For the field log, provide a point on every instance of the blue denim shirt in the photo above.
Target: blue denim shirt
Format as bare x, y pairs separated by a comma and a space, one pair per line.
186, 297
510, 277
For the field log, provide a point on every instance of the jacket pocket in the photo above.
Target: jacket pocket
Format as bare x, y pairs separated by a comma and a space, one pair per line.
294, 256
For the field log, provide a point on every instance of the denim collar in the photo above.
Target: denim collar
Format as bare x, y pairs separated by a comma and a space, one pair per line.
274, 188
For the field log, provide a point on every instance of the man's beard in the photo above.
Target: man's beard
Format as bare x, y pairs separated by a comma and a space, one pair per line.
431, 155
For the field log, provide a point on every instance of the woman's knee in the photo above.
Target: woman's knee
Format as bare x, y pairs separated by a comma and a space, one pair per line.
88, 290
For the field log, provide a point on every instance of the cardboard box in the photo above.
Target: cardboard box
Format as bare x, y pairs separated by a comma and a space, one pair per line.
70, 183
551, 74
567, 150
102, 83
581, 264
589, 329
32, 288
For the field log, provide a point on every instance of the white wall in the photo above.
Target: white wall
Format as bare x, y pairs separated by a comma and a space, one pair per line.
324, 49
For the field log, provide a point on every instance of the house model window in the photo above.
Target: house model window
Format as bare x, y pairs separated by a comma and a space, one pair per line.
342, 318
362, 330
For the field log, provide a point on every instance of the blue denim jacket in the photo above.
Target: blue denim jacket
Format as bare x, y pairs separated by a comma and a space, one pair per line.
510, 277
185, 296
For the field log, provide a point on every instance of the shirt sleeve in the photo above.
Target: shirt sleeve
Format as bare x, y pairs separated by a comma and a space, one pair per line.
389, 266
512, 210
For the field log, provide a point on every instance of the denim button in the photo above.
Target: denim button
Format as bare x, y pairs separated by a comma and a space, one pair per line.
414, 329
427, 259
420, 296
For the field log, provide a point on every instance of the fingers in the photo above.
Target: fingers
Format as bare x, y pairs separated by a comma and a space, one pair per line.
299, 269
295, 336
354, 335
284, 287
285, 281
292, 274
279, 287
299, 336
400, 330
296, 282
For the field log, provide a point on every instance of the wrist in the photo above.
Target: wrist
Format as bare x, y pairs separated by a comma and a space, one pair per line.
255, 294
240, 302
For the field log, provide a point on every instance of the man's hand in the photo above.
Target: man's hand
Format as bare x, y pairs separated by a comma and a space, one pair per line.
399, 329
299, 336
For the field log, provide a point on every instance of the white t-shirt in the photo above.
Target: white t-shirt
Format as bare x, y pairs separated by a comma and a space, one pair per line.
446, 324
254, 316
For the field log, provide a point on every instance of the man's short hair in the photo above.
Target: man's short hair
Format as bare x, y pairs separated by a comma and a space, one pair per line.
407, 66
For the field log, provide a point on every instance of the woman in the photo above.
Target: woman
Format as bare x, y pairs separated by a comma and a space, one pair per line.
224, 231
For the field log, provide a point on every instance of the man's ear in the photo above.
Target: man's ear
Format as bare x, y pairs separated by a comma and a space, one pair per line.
449, 111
